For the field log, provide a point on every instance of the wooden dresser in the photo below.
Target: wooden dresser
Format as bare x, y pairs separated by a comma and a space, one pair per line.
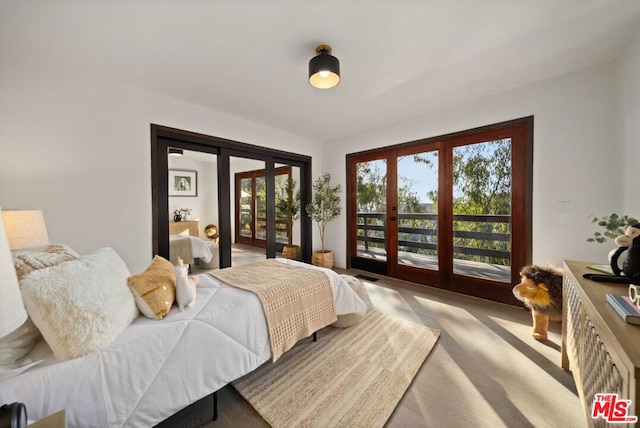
178, 227
601, 350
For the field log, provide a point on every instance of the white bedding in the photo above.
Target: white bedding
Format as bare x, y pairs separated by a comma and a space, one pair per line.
199, 248
155, 368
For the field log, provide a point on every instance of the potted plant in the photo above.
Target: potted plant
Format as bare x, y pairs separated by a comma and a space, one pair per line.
613, 226
289, 206
186, 213
323, 208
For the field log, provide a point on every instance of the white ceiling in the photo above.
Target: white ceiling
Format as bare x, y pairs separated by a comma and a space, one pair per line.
399, 59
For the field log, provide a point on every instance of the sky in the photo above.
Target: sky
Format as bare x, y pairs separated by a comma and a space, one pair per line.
422, 177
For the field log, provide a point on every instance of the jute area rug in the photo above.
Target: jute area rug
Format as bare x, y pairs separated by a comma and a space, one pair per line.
352, 377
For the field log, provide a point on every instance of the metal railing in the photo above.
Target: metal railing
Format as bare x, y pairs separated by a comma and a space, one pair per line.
375, 222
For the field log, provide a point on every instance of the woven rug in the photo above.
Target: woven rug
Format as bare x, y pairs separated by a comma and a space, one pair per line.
352, 377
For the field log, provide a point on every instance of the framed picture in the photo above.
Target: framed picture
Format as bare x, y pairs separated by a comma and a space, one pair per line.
183, 182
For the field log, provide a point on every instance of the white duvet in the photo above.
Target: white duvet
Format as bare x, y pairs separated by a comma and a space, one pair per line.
199, 248
156, 368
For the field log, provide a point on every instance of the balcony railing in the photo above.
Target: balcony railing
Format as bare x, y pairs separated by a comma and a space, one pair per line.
372, 229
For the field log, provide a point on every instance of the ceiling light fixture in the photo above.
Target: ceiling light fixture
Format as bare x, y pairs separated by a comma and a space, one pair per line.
324, 69
175, 152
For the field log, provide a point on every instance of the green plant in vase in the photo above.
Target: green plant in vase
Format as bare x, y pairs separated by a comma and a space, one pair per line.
289, 206
186, 213
613, 226
324, 208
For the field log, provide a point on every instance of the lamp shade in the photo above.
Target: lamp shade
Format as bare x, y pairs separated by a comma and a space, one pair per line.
25, 229
12, 312
175, 152
324, 69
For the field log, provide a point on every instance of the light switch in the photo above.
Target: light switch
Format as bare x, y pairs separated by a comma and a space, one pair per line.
564, 208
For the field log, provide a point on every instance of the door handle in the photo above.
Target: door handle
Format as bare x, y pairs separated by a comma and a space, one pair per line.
393, 218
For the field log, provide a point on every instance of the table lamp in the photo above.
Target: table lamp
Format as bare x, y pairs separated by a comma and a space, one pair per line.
18, 335
12, 312
25, 228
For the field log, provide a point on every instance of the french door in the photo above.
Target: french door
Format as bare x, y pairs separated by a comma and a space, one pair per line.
251, 208
451, 212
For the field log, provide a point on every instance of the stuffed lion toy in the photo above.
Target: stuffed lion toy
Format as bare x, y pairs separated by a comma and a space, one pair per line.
541, 291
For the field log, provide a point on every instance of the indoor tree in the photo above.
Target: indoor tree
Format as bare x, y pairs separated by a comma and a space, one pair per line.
324, 207
289, 206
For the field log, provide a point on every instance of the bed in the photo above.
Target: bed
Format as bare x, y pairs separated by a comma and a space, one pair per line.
156, 368
188, 248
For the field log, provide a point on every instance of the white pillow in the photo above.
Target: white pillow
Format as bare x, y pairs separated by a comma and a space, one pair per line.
15, 346
82, 305
185, 288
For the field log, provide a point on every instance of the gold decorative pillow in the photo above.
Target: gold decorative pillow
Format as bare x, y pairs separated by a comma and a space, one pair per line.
155, 288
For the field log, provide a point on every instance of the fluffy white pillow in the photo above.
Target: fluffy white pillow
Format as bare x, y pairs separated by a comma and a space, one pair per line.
82, 305
185, 287
15, 346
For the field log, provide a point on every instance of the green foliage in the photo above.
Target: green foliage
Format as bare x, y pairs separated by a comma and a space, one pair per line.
288, 206
482, 185
289, 203
325, 204
371, 186
613, 226
482, 178
408, 201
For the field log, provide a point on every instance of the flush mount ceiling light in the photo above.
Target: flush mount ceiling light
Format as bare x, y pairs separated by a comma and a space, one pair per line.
175, 152
324, 69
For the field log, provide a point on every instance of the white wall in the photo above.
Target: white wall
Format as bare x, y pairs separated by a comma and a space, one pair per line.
628, 123
79, 148
575, 156
204, 206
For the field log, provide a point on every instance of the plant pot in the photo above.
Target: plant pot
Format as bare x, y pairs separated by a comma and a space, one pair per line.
323, 259
291, 252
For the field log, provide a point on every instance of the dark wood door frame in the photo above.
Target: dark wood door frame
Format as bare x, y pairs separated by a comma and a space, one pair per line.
163, 137
253, 175
521, 133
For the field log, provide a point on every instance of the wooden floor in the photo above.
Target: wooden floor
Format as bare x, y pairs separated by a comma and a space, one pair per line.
485, 371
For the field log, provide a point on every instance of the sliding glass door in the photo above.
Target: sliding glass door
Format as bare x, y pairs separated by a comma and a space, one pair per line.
262, 216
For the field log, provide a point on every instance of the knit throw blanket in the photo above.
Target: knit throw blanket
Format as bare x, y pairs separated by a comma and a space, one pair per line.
180, 248
296, 301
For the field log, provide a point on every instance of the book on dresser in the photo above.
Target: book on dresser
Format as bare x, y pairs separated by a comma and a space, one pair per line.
625, 307
601, 268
